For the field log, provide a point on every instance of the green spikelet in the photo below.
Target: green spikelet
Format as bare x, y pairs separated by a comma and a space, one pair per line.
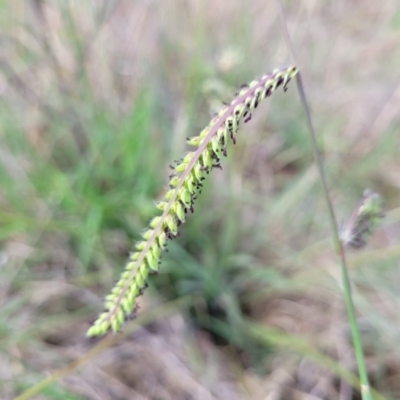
184, 184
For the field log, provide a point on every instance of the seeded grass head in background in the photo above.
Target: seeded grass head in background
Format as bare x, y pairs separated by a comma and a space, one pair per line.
366, 216
185, 183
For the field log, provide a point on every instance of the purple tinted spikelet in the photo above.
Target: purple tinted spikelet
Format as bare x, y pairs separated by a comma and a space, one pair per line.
364, 220
185, 184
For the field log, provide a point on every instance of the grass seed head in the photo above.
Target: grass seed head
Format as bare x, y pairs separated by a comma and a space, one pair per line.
184, 184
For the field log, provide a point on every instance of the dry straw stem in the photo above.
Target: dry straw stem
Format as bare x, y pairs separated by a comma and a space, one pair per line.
185, 183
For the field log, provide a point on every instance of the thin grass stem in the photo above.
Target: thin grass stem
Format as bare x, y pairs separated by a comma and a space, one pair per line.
339, 248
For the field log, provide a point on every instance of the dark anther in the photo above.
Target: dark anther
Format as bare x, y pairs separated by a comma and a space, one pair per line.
153, 272
268, 92
131, 316
248, 118
285, 86
245, 113
214, 155
245, 85
143, 288
280, 81
224, 152
171, 166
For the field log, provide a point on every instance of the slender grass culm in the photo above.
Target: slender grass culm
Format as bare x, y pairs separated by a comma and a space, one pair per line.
365, 218
185, 183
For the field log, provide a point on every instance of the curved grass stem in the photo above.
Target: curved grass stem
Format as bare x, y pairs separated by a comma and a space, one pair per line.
339, 248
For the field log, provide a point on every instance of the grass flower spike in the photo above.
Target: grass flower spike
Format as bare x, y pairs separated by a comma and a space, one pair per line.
364, 220
185, 183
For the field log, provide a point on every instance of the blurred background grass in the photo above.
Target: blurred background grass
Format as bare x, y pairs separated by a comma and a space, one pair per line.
97, 99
